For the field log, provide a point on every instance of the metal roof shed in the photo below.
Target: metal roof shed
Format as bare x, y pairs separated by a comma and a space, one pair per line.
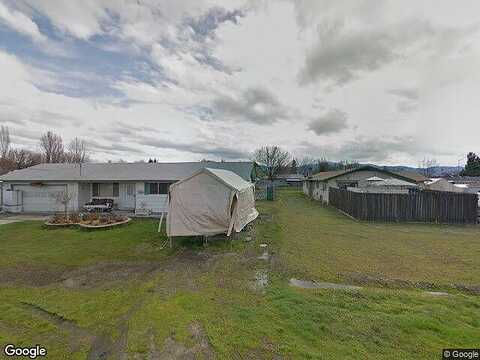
209, 202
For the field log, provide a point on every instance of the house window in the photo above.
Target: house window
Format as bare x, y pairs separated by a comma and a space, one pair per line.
346, 184
95, 189
105, 190
156, 188
115, 189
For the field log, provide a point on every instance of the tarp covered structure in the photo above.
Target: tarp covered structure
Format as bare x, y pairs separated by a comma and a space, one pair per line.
209, 202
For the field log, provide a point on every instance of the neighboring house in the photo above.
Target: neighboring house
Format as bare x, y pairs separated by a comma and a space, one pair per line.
363, 178
440, 184
282, 180
470, 183
291, 179
389, 185
132, 186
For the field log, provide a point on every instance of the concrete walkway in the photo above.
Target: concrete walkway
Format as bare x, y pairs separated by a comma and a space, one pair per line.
18, 218
306, 284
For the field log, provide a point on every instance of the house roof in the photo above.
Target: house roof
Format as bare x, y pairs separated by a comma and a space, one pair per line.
394, 182
290, 176
411, 175
407, 176
227, 177
123, 171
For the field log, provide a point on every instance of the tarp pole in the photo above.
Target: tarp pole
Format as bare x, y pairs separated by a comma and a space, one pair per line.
232, 220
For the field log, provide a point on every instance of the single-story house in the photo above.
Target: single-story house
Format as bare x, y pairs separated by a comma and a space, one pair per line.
376, 179
132, 186
471, 184
282, 180
390, 185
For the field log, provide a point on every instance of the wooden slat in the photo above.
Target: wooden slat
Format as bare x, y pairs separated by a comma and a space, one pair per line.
422, 206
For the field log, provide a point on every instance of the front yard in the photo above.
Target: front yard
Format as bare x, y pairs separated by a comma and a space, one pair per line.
118, 294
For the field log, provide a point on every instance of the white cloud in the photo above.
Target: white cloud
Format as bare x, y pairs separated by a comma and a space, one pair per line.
408, 78
21, 23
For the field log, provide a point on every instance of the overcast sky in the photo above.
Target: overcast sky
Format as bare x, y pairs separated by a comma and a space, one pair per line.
389, 82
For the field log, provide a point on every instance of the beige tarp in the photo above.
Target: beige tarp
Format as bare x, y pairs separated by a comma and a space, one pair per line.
210, 202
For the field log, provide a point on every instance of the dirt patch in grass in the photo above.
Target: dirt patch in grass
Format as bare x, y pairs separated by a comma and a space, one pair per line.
83, 277
380, 281
77, 334
29, 275
99, 274
172, 349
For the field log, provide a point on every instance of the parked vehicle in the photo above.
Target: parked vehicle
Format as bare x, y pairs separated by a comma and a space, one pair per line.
99, 205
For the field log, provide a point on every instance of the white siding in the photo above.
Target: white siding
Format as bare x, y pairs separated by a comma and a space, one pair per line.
84, 194
154, 203
126, 199
316, 190
39, 199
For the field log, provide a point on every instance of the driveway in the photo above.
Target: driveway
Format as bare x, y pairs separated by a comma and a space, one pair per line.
18, 218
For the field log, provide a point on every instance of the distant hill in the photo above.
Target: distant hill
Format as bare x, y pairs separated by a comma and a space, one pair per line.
435, 171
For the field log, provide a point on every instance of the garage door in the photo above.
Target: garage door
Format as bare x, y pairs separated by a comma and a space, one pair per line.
41, 198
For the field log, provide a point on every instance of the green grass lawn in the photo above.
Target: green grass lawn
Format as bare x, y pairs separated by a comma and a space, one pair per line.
320, 243
118, 292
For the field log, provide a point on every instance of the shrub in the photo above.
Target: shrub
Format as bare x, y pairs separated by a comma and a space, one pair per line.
74, 218
91, 217
59, 219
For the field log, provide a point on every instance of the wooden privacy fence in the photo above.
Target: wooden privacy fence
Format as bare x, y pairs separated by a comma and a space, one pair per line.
422, 206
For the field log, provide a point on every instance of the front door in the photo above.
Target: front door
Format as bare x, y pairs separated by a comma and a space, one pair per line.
127, 196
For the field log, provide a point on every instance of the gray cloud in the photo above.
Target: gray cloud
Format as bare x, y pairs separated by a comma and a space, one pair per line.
256, 105
364, 149
407, 106
113, 148
407, 93
332, 122
341, 55
54, 119
201, 148
409, 99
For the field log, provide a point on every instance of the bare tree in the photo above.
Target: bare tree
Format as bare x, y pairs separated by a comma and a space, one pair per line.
426, 166
4, 142
21, 158
306, 165
52, 148
77, 151
64, 198
273, 158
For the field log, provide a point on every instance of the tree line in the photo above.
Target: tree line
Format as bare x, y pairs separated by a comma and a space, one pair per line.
51, 150
273, 161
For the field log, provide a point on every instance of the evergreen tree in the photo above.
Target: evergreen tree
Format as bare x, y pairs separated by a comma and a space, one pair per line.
472, 167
